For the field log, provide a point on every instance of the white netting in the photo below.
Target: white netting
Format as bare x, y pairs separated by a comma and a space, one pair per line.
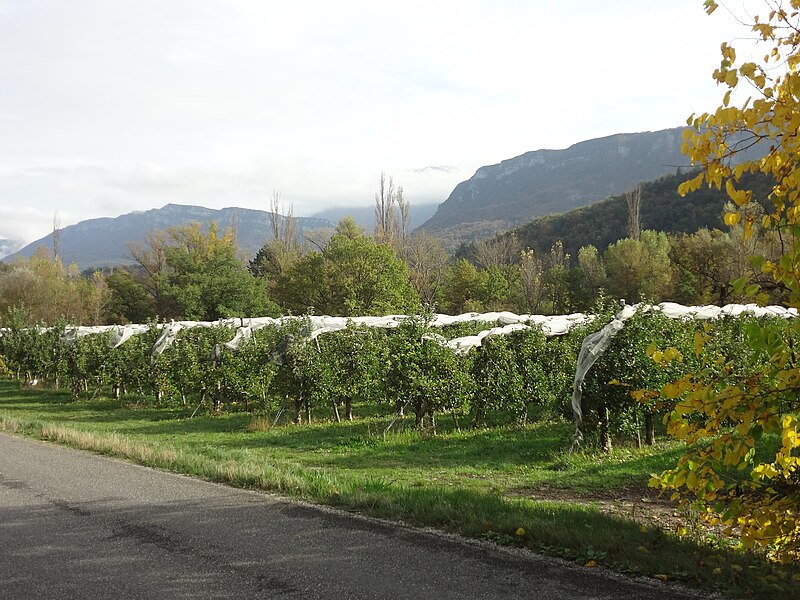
592, 347
595, 344
318, 325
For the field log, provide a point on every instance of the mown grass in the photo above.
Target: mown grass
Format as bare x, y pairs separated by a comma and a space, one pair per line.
471, 482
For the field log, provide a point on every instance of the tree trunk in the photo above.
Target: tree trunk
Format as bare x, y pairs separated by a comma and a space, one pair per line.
478, 414
419, 413
298, 410
432, 420
115, 391
523, 417
649, 429
400, 408
605, 431
348, 408
217, 400
308, 411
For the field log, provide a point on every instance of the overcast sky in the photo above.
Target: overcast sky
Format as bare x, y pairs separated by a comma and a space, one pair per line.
110, 106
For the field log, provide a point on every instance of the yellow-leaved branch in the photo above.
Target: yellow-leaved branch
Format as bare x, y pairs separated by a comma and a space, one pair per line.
741, 466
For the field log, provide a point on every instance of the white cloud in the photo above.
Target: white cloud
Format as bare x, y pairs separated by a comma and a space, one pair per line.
113, 106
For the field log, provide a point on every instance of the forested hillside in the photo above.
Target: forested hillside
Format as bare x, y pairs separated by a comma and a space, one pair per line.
663, 209
542, 182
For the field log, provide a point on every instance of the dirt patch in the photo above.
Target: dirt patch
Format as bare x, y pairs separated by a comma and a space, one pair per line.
642, 505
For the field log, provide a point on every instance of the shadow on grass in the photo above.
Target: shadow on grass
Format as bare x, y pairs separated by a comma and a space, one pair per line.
528, 455
360, 474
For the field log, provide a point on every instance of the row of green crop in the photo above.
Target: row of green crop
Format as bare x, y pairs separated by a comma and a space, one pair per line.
406, 370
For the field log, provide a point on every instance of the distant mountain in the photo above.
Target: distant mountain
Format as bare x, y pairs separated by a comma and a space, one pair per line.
502, 196
9, 247
365, 215
104, 242
662, 209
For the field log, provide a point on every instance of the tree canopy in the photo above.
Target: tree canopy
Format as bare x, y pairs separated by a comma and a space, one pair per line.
742, 461
353, 275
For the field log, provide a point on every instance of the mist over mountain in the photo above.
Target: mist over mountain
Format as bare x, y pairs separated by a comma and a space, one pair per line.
9, 247
104, 242
365, 215
496, 199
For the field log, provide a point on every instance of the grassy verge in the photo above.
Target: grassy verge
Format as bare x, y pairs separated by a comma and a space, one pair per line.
478, 483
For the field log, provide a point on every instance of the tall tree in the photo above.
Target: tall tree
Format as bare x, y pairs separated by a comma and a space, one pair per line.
591, 277
151, 257
281, 251
633, 200
47, 292
392, 212
366, 278
427, 261
640, 269
352, 276
531, 282
129, 301
499, 251
205, 279
732, 419
557, 279
462, 288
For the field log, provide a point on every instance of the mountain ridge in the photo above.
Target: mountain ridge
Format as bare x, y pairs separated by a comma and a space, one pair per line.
546, 181
103, 241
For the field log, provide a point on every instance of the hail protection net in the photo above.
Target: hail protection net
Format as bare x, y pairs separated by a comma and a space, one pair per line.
592, 347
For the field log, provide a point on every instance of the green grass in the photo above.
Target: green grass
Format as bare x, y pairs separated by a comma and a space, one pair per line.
477, 483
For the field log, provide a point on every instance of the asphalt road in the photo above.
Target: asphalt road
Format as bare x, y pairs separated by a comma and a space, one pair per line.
75, 525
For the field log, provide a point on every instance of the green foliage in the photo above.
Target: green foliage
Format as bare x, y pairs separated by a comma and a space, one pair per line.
128, 301
30, 353
352, 276
206, 280
626, 366
423, 373
353, 367
85, 363
640, 269
509, 379
49, 293
246, 375
365, 278
499, 384
663, 209
462, 288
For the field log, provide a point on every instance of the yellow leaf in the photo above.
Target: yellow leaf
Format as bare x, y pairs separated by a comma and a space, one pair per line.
591, 564
699, 343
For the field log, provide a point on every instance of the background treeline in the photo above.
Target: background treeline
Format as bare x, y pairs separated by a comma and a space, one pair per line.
662, 209
398, 372
547, 267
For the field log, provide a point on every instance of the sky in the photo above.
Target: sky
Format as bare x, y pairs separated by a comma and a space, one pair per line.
113, 106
